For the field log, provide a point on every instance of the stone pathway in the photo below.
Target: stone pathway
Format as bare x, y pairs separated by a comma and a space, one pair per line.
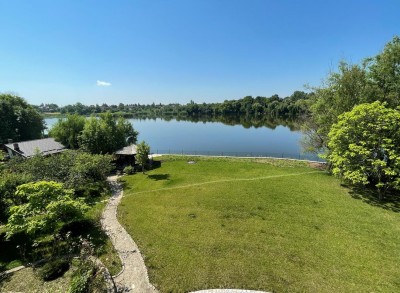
133, 277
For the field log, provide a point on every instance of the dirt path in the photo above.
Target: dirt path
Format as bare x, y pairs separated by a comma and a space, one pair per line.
133, 277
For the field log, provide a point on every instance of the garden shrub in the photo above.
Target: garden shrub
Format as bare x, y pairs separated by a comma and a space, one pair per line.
80, 281
80, 171
129, 170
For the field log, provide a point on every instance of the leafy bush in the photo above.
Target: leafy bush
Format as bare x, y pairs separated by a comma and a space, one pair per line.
129, 170
80, 281
8, 186
87, 277
53, 269
44, 205
77, 170
365, 146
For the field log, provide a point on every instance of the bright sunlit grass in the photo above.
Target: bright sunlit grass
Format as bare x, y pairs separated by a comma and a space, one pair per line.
296, 233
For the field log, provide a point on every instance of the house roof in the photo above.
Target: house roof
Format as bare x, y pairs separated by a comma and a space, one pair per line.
46, 146
128, 150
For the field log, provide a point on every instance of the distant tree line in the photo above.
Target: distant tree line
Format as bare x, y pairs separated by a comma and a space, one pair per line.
292, 107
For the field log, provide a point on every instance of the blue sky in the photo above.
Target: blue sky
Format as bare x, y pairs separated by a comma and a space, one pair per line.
175, 51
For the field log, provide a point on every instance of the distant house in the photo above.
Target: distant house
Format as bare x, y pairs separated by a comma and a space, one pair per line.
126, 155
27, 149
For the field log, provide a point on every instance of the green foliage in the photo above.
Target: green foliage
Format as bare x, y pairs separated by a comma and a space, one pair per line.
2, 156
384, 74
80, 281
142, 154
365, 146
106, 134
42, 206
87, 277
67, 131
377, 79
340, 93
129, 170
88, 168
19, 120
8, 185
53, 269
76, 169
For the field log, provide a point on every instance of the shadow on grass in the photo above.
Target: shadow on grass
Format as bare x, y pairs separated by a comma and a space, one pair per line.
391, 201
87, 229
4, 278
158, 177
15, 251
155, 165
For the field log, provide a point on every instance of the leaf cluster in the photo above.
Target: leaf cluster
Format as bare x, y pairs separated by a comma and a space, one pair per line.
41, 207
73, 168
142, 154
19, 120
365, 146
375, 79
97, 135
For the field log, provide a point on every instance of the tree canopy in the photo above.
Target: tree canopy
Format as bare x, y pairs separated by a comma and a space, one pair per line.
19, 120
106, 134
365, 146
376, 79
68, 130
43, 206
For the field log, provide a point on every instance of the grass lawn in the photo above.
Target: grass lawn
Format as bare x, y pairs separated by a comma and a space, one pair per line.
27, 280
293, 228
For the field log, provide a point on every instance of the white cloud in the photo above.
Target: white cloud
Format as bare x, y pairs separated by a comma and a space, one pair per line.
103, 83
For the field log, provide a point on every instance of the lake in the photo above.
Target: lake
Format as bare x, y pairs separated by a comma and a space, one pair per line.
216, 138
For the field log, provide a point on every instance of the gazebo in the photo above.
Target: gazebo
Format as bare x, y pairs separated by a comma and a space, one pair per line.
126, 156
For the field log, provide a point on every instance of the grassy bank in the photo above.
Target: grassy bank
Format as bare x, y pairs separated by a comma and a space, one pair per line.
258, 224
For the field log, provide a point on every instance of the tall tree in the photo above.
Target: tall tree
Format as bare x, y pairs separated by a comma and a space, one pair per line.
19, 120
376, 79
340, 92
384, 74
106, 134
67, 131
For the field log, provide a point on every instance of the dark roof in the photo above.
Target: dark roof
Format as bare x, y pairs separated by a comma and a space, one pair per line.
128, 150
46, 146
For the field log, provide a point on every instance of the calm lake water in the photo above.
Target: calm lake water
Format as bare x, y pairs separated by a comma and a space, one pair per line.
215, 138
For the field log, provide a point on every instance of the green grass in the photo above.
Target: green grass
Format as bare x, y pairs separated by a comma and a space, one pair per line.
104, 249
297, 233
27, 280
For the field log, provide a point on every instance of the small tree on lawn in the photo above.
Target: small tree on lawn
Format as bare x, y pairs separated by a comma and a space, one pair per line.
142, 154
365, 146
42, 207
